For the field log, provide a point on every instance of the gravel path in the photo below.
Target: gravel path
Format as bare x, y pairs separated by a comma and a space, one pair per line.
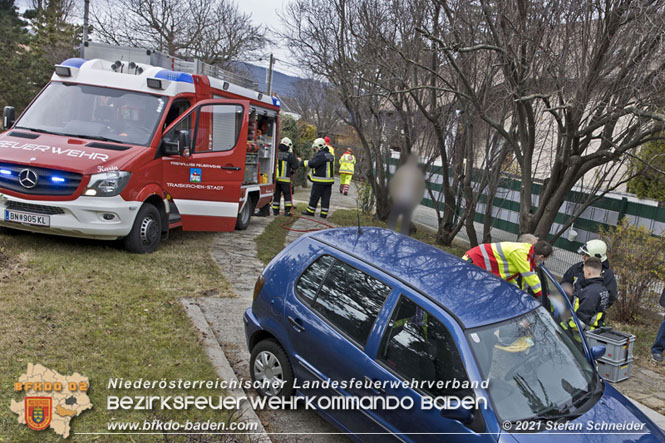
235, 253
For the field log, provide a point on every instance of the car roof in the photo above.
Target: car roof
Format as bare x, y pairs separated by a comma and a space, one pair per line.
472, 295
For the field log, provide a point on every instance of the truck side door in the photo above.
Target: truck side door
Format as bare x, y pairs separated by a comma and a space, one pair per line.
204, 186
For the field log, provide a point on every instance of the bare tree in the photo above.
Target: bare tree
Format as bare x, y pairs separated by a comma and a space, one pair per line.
330, 39
589, 74
213, 31
318, 104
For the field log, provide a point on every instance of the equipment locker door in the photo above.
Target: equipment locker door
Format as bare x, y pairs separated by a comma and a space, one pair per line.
205, 185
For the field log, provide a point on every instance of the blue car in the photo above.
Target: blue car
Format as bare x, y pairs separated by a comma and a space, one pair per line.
392, 339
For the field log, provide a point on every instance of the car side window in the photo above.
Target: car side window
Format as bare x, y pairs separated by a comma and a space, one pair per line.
417, 346
310, 280
348, 298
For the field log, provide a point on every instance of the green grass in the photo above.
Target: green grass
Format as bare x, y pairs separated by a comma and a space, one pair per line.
271, 240
90, 307
349, 217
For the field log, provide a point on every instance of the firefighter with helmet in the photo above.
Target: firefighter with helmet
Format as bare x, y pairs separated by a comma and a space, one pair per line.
286, 164
574, 279
322, 177
347, 163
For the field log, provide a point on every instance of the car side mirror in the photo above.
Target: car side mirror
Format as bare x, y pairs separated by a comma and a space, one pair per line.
597, 352
8, 117
459, 413
183, 143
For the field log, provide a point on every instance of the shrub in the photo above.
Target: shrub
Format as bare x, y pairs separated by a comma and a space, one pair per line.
638, 261
365, 198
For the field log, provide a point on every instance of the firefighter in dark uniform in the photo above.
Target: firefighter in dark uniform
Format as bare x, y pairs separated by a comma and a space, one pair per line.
322, 177
286, 164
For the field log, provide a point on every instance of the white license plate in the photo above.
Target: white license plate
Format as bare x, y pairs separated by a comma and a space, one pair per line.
25, 217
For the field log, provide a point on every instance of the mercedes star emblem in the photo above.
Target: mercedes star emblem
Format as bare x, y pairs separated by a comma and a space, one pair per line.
28, 178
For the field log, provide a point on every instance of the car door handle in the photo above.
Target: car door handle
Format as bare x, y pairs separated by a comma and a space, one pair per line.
296, 324
373, 385
231, 168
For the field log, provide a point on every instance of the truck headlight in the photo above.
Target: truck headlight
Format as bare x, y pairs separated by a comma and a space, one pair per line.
107, 184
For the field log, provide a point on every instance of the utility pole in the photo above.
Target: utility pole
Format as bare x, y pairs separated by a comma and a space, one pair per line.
270, 74
86, 11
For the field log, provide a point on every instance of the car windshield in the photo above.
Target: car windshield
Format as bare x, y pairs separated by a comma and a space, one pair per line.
94, 112
533, 368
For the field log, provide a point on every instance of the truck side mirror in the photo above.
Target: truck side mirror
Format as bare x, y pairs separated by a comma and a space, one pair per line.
183, 143
8, 117
180, 147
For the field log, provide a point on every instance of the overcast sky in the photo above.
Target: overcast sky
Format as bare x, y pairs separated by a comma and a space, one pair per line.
263, 12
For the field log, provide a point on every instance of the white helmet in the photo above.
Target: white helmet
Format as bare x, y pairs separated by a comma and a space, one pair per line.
287, 141
594, 248
319, 143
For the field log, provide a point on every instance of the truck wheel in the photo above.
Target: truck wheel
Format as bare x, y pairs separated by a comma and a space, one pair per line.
245, 215
270, 366
146, 232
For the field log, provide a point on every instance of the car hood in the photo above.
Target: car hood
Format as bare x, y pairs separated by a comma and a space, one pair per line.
71, 153
612, 409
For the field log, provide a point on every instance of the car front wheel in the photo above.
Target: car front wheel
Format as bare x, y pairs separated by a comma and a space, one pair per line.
270, 367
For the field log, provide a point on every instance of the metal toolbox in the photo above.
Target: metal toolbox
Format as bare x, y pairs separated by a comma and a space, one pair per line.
614, 372
618, 345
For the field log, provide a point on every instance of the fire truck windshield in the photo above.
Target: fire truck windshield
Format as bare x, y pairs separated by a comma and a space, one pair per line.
95, 112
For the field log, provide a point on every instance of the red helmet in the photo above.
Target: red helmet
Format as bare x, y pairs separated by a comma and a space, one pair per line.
327, 139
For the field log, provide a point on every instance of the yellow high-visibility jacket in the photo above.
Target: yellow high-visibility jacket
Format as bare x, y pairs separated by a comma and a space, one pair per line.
347, 163
509, 260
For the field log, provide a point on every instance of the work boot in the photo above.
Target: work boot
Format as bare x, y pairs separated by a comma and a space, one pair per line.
275, 212
324, 215
306, 212
287, 212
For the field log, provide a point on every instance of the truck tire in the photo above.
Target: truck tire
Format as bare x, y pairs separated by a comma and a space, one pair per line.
146, 232
245, 215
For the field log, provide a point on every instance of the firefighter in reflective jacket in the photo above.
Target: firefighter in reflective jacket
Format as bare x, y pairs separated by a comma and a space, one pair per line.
590, 299
347, 163
286, 164
514, 262
322, 178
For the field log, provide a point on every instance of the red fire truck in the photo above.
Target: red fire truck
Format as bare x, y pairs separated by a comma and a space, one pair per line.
127, 143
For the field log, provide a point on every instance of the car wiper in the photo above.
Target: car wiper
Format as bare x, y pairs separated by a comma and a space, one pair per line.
581, 399
43, 131
553, 414
93, 137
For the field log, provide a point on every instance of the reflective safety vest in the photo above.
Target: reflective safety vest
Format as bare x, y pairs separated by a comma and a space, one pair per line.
347, 163
283, 170
323, 167
509, 260
594, 322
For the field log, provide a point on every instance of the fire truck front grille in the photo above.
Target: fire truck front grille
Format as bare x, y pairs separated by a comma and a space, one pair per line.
38, 181
37, 209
